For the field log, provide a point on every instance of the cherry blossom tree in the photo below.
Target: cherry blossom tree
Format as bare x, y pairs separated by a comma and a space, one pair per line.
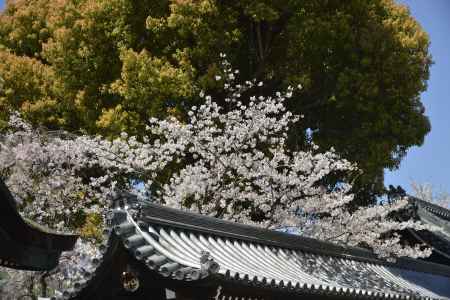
228, 162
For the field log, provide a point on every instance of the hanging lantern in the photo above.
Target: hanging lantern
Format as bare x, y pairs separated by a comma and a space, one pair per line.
130, 281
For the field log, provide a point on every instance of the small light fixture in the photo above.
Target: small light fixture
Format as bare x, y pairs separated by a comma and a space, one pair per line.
130, 281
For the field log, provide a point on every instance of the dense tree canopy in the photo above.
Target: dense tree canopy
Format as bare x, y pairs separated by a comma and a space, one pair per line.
106, 66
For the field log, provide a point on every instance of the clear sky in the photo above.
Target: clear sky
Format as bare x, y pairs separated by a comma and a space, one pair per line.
429, 163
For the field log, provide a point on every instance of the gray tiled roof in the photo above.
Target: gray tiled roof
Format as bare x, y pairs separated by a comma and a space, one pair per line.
175, 250
186, 247
431, 207
437, 216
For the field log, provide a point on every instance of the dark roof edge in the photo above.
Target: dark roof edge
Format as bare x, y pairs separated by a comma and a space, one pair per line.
28, 232
434, 208
158, 214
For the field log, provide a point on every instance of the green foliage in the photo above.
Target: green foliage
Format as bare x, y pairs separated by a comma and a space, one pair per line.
92, 228
105, 66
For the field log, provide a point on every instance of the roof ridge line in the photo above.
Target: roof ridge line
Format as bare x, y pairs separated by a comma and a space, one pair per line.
432, 207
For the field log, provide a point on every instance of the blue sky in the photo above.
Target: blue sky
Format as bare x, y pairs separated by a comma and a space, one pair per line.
429, 163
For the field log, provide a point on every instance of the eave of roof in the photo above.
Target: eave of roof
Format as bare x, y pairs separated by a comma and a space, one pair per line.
437, 216
26, 245
431, 207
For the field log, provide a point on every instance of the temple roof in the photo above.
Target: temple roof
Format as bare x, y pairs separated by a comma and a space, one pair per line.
188, 248
437, 210
437, 216
24, 244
